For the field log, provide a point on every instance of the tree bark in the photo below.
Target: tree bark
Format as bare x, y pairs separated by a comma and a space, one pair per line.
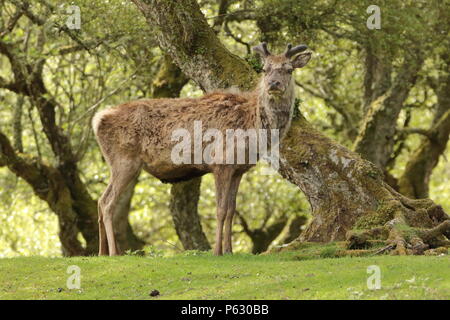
169, 80
344, 190
348, 193
183, 32
415, 180
60, 186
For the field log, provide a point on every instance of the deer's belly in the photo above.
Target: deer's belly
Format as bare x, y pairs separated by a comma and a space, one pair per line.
169, 172
162, 164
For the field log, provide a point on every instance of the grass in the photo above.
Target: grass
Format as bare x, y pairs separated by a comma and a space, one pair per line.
286, 275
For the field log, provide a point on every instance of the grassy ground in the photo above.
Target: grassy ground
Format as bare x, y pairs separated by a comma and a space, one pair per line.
202, 276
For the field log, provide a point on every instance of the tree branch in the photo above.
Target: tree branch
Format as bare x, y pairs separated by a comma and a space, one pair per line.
420, 131
11, 23
184, 33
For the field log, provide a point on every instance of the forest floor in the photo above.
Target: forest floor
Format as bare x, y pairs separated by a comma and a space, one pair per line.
194, 275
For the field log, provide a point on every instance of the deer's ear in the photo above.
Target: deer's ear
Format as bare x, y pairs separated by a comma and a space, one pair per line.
262, 50
301, 60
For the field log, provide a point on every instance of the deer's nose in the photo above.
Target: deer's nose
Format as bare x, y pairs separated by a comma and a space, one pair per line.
274, 85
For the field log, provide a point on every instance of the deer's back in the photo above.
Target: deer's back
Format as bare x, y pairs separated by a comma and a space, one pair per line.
143, 128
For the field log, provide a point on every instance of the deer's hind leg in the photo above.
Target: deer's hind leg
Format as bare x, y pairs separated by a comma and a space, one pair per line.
123, 171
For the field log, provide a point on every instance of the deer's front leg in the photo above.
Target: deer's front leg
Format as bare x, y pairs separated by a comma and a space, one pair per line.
231, 209
221, 214
223, 179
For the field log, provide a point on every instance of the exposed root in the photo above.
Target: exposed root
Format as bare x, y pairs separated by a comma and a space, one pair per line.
387, 248
437, 236
402, 239
358, 240
416, 227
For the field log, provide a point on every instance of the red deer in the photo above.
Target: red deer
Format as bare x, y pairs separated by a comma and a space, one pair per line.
138, 135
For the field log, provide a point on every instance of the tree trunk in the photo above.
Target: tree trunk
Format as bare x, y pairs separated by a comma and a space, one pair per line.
184, 210
377, 77
295, 229
169, 81
183, 33
49, 185
263, 236
348, 193
375, 141
415, 180
344, 191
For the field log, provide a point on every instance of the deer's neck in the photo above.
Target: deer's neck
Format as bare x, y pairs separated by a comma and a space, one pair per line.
276, 112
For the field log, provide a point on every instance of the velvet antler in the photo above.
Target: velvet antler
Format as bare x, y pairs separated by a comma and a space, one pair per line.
290, 52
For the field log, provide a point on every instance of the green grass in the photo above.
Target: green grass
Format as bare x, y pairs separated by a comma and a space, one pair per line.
203, 276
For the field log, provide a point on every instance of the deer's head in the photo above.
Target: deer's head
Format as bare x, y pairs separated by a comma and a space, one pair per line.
278, 69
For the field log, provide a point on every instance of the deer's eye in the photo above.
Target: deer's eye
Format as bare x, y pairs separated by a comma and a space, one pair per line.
290, 70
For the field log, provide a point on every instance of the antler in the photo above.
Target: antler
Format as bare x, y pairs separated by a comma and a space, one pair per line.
290, 52
262, 49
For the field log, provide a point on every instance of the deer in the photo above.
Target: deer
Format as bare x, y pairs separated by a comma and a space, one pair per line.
136, 136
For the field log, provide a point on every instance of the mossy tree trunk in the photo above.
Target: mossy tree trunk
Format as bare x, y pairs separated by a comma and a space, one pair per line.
184, 34
347, 193
60, 186
375, 141
344, 190
415, 180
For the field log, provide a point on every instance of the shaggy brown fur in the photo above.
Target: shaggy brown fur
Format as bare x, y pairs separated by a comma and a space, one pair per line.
143, 129
138, 135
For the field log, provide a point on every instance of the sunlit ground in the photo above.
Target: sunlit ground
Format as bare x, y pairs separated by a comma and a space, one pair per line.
203, 276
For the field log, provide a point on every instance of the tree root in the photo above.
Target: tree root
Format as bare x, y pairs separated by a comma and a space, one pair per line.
416, 227
401, 239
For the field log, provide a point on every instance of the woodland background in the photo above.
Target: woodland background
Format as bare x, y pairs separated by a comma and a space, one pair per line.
53, 79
